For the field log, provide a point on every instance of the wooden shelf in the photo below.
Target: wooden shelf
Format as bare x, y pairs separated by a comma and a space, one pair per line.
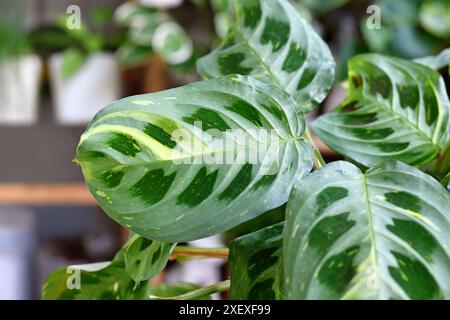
47, 194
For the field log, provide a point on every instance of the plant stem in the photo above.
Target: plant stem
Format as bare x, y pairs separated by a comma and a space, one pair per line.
319, 162
198, 253
442, 165
214, 288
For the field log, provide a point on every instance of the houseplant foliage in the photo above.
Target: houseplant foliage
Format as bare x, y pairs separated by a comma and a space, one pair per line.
375, 230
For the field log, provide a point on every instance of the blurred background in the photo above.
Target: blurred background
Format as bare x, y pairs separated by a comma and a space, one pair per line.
61, 61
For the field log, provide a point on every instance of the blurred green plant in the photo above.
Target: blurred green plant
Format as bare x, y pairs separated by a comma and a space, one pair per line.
410, 28
75, 44
151, 31
13, 42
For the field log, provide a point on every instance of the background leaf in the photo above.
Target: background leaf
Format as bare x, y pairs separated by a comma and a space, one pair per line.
272, 42
396, 109
138, 161
104, 281
256, 267
383, 234
72, 61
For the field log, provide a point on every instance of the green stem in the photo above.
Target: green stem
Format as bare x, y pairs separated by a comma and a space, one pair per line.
186, 252
446, 181
214, 288
319, 162
443, 162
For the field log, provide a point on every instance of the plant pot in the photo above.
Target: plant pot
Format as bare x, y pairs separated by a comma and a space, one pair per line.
78, 98
19, 78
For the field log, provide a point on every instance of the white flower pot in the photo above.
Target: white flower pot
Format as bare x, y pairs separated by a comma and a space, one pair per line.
78, 98
19, 88
162, 4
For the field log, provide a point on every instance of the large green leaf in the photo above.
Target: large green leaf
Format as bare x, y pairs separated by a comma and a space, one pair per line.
99, 281
383, 234
396, 109
272, 42
190, 162
255, 262
145, 258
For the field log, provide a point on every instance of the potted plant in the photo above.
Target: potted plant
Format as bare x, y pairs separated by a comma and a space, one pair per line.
84, 76
19, 75
195, 161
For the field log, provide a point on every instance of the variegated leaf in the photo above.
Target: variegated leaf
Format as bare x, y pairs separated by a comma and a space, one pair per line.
272, 42
190, 162
256, 267
98, 281
145, 258
396, 109
436, 62
383, 234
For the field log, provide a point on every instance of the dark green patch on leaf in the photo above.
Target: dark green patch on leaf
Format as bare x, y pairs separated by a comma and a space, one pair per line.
153, 186
230, 63
328, 230
252, 14
295, 58
307, 77
199, 189
274, 108
328, 196
372, 134
409, 96
392, 146
239, 183
359, 119
404, 200
264, 181
431, 104
416, 236
125, 144
160, 135
414, 278
338, 270
275, 32
209, 120
112, 178
246, 110
380, 84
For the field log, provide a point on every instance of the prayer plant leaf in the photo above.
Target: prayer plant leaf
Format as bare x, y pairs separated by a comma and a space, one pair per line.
395, 110
383, 234
97, 281
271, 42
256, 266
194, 161
145, 258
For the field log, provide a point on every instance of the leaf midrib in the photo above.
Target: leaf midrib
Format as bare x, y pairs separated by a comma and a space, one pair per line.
254, 53
284, 141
